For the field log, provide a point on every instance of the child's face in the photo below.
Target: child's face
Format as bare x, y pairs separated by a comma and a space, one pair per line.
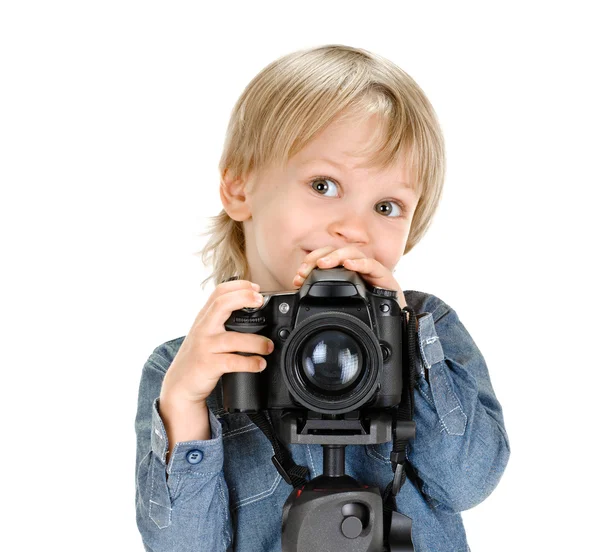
288, 217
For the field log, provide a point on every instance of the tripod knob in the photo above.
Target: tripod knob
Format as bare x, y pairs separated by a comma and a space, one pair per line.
356, 519
352, 527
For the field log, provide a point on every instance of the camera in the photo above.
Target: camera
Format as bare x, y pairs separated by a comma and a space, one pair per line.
334, 378
338, 348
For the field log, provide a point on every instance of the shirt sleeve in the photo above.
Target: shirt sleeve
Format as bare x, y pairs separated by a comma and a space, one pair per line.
461, 447
189, 510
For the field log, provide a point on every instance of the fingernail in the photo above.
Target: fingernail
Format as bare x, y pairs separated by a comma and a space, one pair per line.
325, 259
255, 286
303, 267
270, 346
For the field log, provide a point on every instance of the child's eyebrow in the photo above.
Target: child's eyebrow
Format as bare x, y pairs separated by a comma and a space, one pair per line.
339, 166
342, 168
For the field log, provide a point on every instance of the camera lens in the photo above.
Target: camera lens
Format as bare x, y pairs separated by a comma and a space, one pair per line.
331, 361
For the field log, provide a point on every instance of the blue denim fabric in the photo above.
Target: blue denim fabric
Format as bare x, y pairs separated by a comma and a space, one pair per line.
230, 496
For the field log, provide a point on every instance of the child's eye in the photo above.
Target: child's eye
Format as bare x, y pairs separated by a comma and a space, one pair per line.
322, 187
384, 207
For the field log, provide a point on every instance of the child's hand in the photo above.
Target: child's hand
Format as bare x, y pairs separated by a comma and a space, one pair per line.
208, 350
351, 258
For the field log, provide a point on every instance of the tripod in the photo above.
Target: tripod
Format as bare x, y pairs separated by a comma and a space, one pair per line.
335, 513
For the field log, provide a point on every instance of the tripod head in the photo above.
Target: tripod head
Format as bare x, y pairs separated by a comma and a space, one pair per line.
334, 512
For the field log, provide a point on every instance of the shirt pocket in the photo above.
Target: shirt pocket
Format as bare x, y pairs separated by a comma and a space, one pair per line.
249, 471
376, 467
380, 452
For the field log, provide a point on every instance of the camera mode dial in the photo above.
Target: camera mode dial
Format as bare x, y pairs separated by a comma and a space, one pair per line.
383, 292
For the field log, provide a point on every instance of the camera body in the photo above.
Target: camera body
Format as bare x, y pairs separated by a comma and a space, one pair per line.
338, 348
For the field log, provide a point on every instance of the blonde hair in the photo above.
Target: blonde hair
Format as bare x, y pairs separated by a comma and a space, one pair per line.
298, 95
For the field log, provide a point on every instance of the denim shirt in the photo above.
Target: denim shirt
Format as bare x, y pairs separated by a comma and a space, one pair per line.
224, 494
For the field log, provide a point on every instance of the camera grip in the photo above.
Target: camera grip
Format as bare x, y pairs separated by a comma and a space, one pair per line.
241, 391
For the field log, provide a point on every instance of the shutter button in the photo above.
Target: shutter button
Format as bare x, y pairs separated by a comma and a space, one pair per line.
194, 456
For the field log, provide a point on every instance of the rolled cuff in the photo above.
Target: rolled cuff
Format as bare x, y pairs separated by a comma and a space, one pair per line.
429, 342
434, 370
192, 457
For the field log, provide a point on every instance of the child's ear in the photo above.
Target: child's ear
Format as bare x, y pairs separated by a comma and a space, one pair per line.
234, 197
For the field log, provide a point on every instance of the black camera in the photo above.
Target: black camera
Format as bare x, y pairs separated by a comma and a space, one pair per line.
338, 348
335, 378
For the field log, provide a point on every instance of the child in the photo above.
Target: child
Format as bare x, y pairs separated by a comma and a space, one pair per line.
333, 156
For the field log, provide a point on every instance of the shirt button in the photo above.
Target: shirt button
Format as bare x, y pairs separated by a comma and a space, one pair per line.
194, 456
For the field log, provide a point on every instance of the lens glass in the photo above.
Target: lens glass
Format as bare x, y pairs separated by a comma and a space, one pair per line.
331, 361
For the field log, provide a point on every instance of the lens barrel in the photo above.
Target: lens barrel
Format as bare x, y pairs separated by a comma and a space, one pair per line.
331, 363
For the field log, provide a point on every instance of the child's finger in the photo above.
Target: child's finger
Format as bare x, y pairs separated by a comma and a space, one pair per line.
334, 255
311, 258
374, 271
337, 257
224, 301
227, 287
376, 274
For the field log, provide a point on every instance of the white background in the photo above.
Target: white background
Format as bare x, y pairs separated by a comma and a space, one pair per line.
112, 121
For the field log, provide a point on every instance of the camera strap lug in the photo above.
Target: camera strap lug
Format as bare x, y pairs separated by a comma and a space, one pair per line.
292, 473
281, 470
399, 477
